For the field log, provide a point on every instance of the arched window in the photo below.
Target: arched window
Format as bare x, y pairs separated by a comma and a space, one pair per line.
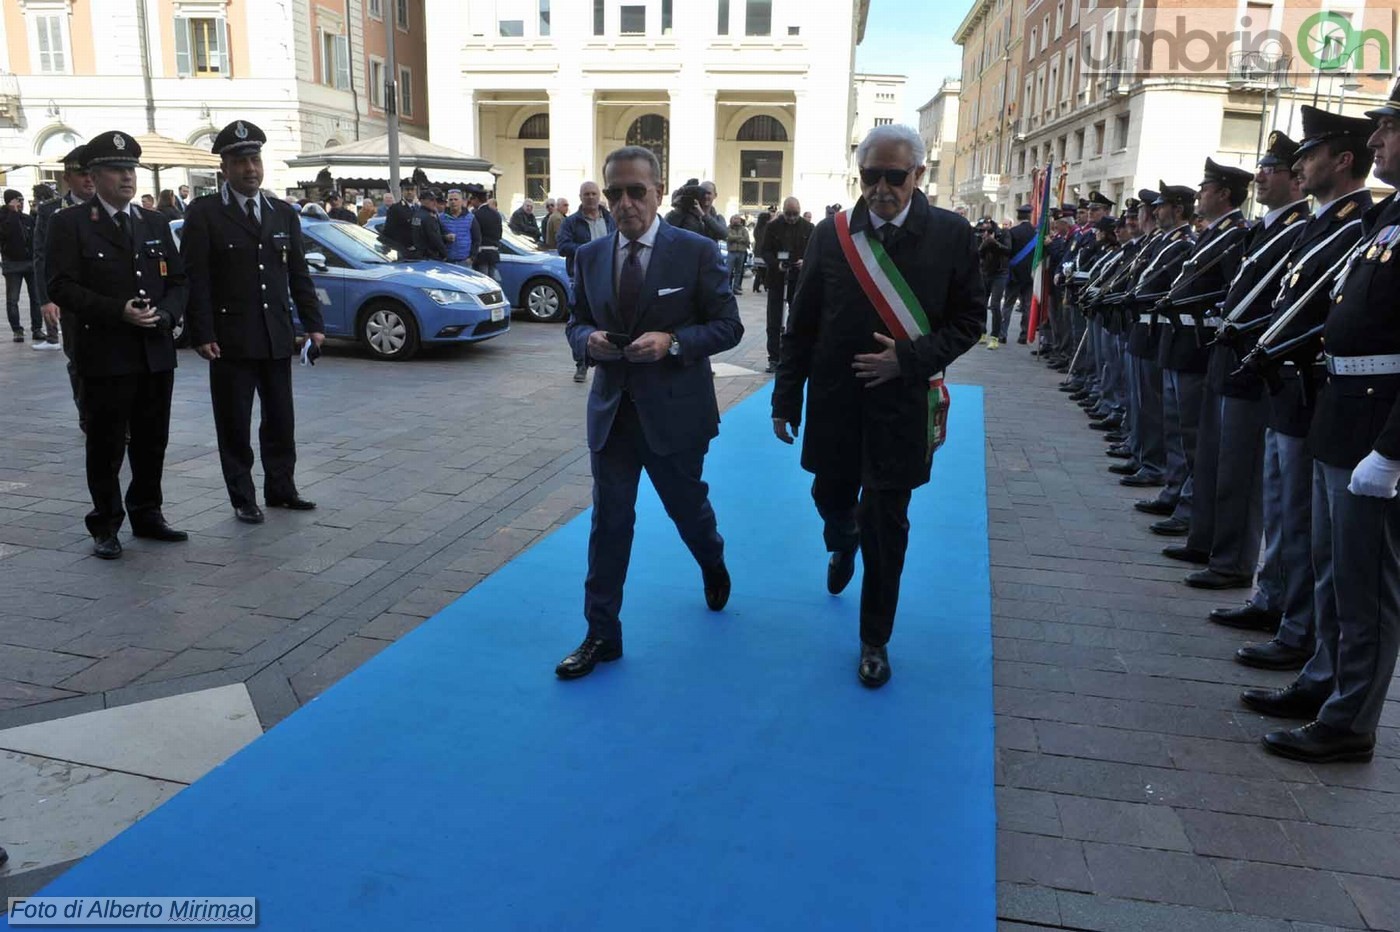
536, 127
57, 144
653, 132
762, 129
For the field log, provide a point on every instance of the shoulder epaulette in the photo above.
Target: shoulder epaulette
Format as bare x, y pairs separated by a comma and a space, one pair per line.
1347, 209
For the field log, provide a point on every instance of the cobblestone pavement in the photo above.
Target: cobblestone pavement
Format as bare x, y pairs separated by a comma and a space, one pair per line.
1131, 792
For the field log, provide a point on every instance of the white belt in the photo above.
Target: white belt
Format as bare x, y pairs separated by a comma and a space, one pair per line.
1363, 365
1213, 321
1146, 318
1187, 320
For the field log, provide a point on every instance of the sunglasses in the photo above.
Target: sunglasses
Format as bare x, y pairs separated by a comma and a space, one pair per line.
894, 177
633, 191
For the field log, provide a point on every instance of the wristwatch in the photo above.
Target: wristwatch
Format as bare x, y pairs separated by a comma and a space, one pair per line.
675, 349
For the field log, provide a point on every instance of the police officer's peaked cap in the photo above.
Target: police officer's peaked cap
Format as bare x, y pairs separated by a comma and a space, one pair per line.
1391, 108
406, 183
1319, 126
1107, 224
1099, 198
1147, 197
1023, 211
1174, 194
1130, 206
1281, 152
1230, 177
1083, 204
112, 149
73, 161
239, 138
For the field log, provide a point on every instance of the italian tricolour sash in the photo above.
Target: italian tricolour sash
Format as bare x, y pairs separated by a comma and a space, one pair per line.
899, 309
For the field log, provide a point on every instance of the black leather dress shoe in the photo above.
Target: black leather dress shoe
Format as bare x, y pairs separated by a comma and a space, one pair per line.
586, 656
1273, 655
1078, 395
107, 548
1108, 423
158, 530
1122, 469
1289, 702
248, 514
874, 669
839, 570
1172, 527
1186, 554
1214, 579
1139, 481
1320, 743
1116, 436
1153, 506
1248, 617
295, 503
716, 585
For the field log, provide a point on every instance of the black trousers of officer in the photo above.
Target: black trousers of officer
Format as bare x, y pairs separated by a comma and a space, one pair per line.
876, 520
68, 330
232, 383
117, 404
782, 285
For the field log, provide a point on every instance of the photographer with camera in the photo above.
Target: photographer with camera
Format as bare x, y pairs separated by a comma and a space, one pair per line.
784, 244
994, 257
692, 208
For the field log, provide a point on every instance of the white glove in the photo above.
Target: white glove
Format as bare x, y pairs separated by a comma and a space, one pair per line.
1375, 476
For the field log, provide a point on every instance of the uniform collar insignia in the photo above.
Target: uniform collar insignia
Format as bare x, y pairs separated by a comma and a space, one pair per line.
1347, 209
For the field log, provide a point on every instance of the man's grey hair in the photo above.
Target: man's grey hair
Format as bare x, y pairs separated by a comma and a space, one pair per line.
634, 153
892, 132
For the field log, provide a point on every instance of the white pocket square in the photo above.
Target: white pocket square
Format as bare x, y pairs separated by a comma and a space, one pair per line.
665, 291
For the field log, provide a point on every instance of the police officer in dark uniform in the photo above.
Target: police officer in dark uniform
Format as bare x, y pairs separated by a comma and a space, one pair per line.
1355, 437
1182, 352
400, 220
1332, 163
427, 229
114, 268
80, 191
247, 266
1229, 509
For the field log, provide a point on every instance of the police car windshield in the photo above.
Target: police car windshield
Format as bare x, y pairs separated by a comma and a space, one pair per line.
521, 243
355, 243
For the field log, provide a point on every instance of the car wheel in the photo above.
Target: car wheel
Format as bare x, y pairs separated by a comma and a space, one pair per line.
544, 300
389, 331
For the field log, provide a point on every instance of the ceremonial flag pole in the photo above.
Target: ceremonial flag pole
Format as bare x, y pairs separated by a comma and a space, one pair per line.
1038, 284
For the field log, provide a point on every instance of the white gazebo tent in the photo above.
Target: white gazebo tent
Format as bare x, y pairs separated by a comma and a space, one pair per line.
367, 159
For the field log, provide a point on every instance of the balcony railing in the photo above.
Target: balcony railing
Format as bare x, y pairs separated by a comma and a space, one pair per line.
1262, 68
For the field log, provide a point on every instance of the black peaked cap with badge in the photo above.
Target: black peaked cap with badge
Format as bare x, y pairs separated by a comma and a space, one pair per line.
112, 149
1237, 179
1391, 108
1320, 126
1147, 197
1178, 194
239, 138
75, 161
1098, 197
1023, 211
1281, 152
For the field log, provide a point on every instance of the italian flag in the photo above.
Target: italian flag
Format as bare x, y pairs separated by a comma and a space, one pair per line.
1040, 216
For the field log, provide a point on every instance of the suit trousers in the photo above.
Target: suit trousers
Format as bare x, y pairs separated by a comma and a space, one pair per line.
617, 470
782, 284
994, 286
1286, 582
1181, 416
1356, 559
1019, 295
139, 404
68, 327
1147, 442
876, 520
232, 383
1227, 518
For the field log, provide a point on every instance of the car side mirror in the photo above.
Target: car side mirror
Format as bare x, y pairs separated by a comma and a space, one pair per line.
316, 260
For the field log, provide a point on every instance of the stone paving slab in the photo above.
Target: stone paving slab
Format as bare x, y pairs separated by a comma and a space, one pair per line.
1131, 791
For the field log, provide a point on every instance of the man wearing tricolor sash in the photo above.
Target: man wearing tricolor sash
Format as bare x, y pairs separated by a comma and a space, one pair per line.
889, 296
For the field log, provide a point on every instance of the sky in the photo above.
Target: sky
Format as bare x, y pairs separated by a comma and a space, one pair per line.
913, 38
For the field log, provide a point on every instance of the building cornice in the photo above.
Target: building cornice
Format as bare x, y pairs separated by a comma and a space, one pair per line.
974, 17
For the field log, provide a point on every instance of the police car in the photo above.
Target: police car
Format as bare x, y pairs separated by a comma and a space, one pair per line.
394, 308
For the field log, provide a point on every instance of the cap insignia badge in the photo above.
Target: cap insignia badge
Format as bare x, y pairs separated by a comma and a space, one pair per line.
118, 142
240, 130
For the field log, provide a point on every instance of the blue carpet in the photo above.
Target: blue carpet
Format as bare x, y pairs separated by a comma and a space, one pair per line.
728, 773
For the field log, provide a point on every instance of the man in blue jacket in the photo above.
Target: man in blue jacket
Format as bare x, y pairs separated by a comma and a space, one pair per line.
652, 304
591, 221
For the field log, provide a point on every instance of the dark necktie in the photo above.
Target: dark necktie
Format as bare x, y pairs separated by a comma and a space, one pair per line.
629, 285
123, 224
888, 234
252, 211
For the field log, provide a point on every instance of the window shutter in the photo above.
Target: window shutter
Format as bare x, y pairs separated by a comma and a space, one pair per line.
342, 62
182, 47
41, 32
223, 65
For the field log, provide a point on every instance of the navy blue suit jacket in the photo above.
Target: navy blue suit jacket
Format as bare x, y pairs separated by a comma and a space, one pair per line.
686, 292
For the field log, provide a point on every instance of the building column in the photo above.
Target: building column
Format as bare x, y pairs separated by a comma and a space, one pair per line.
821, 153
572, 136
692, 152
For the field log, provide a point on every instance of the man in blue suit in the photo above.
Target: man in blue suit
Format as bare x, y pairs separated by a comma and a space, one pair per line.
652, 304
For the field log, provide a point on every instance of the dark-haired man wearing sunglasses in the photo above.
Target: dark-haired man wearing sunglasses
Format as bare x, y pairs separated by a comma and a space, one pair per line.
872, 367
652, 304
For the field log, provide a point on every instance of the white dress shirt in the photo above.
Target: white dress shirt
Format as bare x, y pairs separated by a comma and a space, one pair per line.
877, 222
242, 201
